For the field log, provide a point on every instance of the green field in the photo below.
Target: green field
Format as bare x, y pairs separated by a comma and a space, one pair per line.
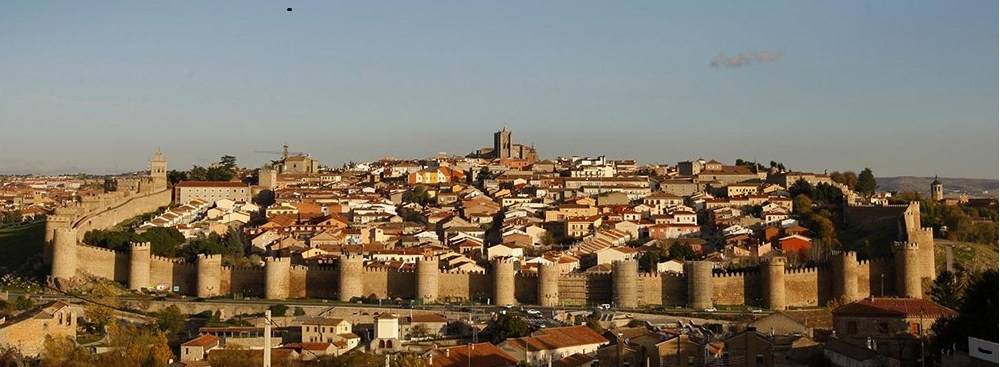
975, 256
21, 245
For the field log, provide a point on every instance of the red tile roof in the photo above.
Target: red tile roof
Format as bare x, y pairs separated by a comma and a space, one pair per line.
894, 307
481, 355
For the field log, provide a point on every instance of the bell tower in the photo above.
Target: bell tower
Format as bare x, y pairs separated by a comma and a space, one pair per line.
158, 170
937, 190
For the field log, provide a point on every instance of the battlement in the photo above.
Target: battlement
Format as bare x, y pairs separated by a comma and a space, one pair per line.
174, 260
210, 258
505, 260
322, 267
95, 248
462, 272
299, 268
246, 268
649, 275
776, 261
140, 246
278, 260
734, 273
906, 246
804, 270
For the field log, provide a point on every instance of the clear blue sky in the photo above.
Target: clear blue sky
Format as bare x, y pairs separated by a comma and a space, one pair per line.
905, 87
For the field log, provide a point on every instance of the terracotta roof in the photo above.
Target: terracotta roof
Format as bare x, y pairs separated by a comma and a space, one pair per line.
574, 360
210, 184
202, 341
479, 355
426, 317
561, 337
894, 307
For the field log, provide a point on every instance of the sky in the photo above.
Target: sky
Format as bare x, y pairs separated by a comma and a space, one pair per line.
905, 87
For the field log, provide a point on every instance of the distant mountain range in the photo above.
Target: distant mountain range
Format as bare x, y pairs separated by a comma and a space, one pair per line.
974, 187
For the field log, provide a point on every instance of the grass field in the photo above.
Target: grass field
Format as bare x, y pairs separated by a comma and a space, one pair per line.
974, 256
20, 244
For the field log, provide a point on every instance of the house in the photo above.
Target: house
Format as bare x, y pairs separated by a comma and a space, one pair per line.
27, 331
894, 326
553, 344
479, 355
197, 349
611, 254
795, 244
321, 329
844, 354
211, 191
748, 348
504, 250
674, 266
421, 325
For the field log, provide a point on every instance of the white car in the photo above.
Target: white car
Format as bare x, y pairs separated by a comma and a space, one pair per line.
604, 306
710, 309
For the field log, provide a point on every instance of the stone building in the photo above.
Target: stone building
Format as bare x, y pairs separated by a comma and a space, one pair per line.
28, 330
892, 326
211, 191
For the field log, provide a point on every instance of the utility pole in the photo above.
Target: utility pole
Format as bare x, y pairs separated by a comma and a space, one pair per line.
267, 338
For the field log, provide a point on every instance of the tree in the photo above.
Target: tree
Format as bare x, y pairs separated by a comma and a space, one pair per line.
802, 205
977, 316
947, 290
128, 346
508, 326
101, 311
419, 331
866, 183
299, 312
680, 251
649, 259
170, 321
278, 310
228, 162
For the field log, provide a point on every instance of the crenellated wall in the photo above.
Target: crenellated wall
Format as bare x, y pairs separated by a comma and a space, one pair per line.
772, 284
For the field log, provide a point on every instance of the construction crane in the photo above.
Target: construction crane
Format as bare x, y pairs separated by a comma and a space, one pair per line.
284, 152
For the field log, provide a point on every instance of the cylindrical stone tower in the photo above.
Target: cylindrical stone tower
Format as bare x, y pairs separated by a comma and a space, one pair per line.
625, 279
64, 253
773, 273
209, 277
548, 285
503, 282
276, 273
699, 283
427, 280
352, 268
845, 272
908, 270
138, 266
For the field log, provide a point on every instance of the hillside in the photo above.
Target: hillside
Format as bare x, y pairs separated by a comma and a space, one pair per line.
974, 187
974, 256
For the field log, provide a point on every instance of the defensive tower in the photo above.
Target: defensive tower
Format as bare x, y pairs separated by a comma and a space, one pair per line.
548, 285
64, 253
427, 280
209, 278
503, 282
699, 283
907, 258
625, 276
352, 269
276, 273
845, 272
138, 265
773, 273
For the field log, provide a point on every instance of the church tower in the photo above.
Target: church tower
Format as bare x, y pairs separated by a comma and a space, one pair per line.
937, 190
158, 171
